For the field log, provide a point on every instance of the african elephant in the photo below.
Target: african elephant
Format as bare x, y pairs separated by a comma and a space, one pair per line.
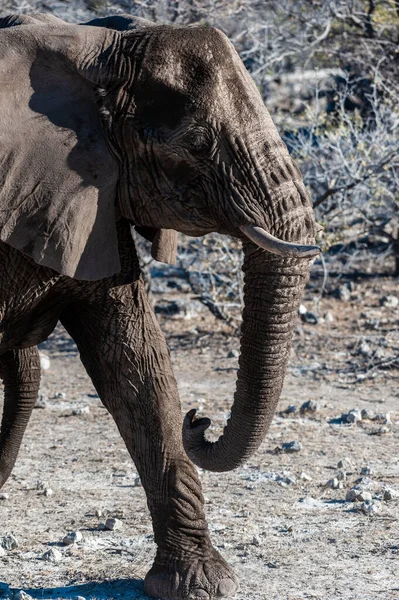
123, 122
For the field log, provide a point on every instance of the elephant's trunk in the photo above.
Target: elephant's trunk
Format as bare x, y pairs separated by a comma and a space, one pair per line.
273, 287
20, 371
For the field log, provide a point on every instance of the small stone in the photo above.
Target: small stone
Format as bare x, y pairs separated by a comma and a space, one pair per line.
48, 492
367, 414
390, 301
82, 410
137, 481
291, 409
21, 595
305, 477
4, 496
302, 310
341, 476
52, 555
383, 418
60, 395
344, 463
113, 524
293, 446
309, 406
329, 317
233, 353
351, 495
370, 508
8, 542
353, 416
98, 512
256, 541
286, 480
366, 471
310, 317
365, 349
383, 430
364, 496
343, 293
72, 538
2, 553
44, 361
388, 495
334, 484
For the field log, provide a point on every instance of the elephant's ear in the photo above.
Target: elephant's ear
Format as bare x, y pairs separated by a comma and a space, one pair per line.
57, 177
164, 243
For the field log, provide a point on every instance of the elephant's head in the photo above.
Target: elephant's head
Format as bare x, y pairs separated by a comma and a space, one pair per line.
166, 120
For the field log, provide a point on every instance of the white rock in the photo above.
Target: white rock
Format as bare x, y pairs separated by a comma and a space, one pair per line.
82, 410
341, 476
383, 418
302, 310
383, 430
366, 471
364, 496
72, 538
305, 477
293, 446
390, 301
310, 406
8, 542
60, 395
4, 496
52, 555
353, 416
113, 524
44, 361
370, 508
344, 463
351, 495
335, 484
21, 595
329, 317
2, 552
367, 414
388, 494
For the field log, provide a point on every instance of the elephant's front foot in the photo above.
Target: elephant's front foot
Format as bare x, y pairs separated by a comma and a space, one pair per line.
190, 578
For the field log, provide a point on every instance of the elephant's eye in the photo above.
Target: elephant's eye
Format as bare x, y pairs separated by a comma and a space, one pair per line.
199, 142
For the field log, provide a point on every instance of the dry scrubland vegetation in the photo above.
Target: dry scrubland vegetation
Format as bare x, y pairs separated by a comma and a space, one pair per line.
328, 74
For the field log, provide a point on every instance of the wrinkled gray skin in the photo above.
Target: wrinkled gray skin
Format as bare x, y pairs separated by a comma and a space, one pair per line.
196, 152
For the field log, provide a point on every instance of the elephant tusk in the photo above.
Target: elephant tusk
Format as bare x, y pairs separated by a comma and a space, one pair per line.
268, 242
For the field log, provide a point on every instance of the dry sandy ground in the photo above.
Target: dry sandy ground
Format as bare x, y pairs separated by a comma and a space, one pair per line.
287, 539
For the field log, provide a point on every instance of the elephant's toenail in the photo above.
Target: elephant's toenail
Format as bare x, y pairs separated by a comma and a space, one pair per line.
199, 595
226, 588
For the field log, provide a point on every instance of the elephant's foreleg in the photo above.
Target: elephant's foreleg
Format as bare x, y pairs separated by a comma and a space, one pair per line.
20, 372
125, 354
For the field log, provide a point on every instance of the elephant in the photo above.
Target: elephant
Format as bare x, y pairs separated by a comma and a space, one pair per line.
120, 123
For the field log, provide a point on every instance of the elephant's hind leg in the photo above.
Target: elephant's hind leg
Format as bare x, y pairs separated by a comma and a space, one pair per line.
125, 354
20, 372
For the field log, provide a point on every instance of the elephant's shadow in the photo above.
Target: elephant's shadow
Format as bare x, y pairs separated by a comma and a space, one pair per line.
128, 589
